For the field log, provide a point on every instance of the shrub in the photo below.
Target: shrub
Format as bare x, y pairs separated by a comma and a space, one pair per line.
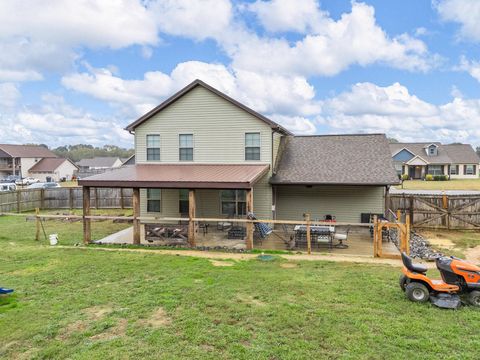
429, 177
404, 177
440, 177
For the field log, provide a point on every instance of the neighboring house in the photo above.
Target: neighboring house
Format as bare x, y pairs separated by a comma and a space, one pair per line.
201, 139
99, 163
53, 169
459, 161
18, 159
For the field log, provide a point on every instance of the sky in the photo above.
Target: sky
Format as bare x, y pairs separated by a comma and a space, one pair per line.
79, 71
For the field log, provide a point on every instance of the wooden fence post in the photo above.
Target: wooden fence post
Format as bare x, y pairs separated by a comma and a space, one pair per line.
309, 239
136, 215
412, 200
70, 198
96, 198
18, 201
407, 235
42, 199
37, 224
122, 200
399, 215
379, 239
87, 229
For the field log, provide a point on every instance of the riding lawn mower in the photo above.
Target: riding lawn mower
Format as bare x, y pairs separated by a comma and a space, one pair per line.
460, 279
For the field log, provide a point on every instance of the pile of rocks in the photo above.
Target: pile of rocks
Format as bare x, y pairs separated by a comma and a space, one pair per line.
419, 246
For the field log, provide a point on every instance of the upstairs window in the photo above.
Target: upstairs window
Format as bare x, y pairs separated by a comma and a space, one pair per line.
432, 150
153, 147
186, 147
234, 202
252, 146
154, 197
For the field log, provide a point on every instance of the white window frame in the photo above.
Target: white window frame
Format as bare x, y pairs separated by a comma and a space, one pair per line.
259, 145
193, 146
236, 201
439, 168
472, 167
159, 147
454, 168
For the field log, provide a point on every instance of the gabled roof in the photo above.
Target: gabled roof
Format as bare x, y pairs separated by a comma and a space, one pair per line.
49, 164
26, 151
359, 159
446, 154
190, 87
99, 162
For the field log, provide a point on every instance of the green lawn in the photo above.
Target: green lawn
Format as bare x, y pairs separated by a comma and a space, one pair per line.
457, 184
90, 304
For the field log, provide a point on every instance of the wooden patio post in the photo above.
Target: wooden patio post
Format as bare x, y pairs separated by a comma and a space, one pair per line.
136, 215
309, 237
191, 215
249, 239
87, 230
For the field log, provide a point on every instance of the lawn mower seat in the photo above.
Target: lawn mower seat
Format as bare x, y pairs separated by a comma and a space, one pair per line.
408, 262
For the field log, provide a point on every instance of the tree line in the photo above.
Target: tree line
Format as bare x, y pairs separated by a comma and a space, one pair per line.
86, 151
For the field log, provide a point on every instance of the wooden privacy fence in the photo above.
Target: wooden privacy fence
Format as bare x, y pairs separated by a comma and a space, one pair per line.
64, 198
439, 211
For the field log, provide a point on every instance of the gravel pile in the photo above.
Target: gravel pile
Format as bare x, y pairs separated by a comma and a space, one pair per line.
419, 246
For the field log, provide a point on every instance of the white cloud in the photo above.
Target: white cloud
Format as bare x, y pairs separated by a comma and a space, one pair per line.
470, 66
9, 95
264, 93
392, 109
57, 123
355, 38
39, 36
198, 19
464, 12
285, 15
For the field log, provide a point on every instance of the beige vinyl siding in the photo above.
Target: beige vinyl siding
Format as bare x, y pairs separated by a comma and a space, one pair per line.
276, 144
208, 202
346, 203
218, 129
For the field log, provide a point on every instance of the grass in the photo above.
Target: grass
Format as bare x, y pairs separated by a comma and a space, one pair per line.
460, 240
87, 304
455, 184
68, 183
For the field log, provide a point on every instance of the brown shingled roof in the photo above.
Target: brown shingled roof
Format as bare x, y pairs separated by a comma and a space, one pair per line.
27, 151
48, 164
362, 159
180, 176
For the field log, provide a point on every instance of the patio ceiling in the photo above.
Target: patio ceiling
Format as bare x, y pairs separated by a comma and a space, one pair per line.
180, 176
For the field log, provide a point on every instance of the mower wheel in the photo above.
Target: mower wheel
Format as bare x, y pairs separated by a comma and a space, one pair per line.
417, 292
474, 298
403, 282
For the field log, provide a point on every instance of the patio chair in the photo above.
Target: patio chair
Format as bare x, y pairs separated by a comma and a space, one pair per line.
341, 237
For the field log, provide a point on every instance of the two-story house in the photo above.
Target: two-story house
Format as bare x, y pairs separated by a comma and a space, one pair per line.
458, 161
18, 159
200, 139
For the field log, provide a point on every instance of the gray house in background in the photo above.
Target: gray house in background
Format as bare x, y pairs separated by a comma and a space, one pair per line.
459, 161
203, 142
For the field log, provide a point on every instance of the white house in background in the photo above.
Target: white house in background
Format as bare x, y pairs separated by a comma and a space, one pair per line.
18, 159
459, 161
99, 163
53, 169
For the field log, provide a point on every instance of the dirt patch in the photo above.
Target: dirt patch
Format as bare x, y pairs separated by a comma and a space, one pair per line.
97, 312
158, 319
438, 240
473, 255
248, 299
288, 265
113, 332
221, 263
77, 326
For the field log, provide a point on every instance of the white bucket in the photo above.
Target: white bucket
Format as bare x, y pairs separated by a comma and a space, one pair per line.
53, 239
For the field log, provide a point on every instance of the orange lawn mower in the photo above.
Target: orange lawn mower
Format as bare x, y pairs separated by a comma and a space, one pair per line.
459, 279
